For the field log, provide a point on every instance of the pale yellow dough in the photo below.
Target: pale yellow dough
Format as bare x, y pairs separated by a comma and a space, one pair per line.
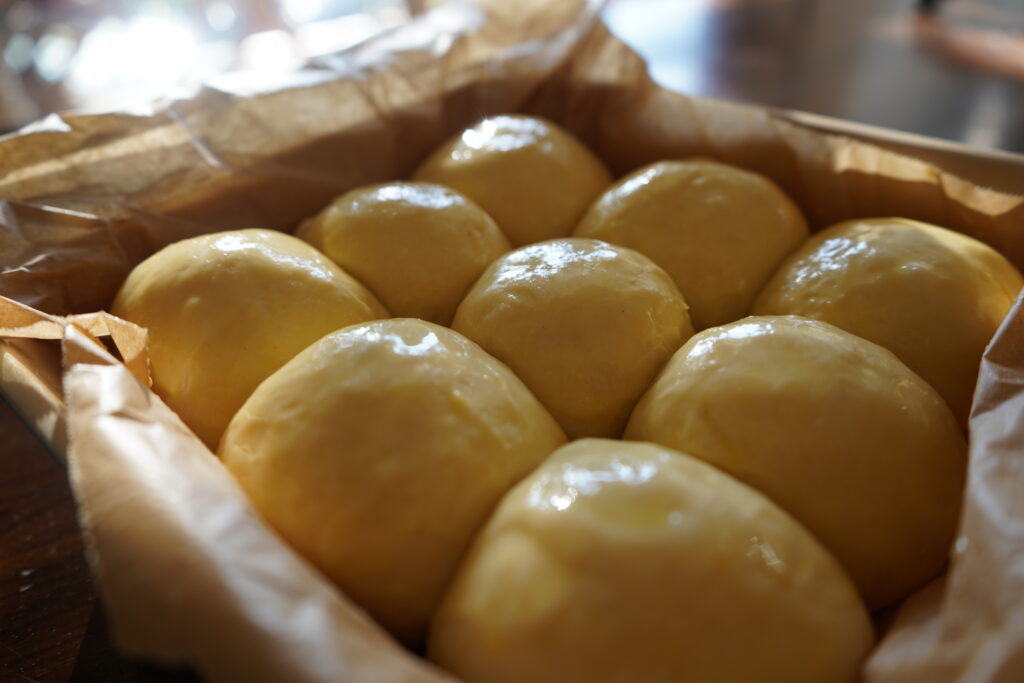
380, 450
932, 296
584, 323
226, 310
532, 176
831, 427
418, 246
619, 561
718, 230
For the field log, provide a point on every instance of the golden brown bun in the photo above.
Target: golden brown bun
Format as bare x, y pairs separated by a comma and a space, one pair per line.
831, 427
226, 310
380, 450
619, 561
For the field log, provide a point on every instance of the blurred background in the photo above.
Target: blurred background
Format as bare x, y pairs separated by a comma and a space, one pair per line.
953, 69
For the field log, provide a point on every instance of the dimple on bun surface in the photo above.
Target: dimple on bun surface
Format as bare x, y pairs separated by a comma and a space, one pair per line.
932, 296
719, 231
833, 428
584, 323
619, 561
380, 450
418, 246
226, 310
531, 175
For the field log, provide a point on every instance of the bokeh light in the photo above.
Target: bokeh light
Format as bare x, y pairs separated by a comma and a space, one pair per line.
113, 54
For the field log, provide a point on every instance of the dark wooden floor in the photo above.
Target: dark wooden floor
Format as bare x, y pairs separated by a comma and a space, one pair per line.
960, 77
45, 595
51, 628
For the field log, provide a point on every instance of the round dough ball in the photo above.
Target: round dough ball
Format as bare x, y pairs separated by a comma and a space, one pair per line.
831, 427
380, 450
585, 324
619, 561
419, 247
226, 310
932, 296
529, 174
719, 231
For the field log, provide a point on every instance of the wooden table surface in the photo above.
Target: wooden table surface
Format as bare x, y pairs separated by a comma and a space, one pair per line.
51, 624
872, 61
